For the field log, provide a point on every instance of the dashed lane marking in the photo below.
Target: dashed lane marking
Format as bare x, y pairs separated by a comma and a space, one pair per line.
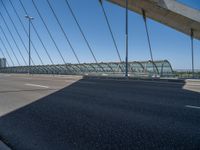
36, 85
194, 107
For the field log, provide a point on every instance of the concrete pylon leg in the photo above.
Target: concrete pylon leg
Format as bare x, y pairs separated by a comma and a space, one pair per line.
168, 12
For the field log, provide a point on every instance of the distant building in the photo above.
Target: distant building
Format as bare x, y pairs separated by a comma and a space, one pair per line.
2, 62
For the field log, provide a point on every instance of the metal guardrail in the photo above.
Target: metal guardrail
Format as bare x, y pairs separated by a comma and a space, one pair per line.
187, 75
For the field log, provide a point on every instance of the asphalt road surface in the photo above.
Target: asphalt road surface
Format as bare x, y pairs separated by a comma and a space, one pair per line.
61, 113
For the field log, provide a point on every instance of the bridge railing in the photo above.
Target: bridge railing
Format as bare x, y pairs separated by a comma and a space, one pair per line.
135, 68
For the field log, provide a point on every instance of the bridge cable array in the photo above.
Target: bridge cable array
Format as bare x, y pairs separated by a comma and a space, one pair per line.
83, 35
7, 12
64, 33
81, 31
16, 32
67, 65
38, 36
14, 9
50, 35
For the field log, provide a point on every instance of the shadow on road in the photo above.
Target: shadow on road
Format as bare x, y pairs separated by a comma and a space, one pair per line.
102, 114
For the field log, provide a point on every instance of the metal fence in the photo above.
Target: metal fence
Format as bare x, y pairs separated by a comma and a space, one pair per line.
136, 68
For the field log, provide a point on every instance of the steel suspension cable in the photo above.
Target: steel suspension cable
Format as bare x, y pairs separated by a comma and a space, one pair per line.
42, 43
148, 38
9, 44
4, 56
64, 33
110, 29
37, 36
44, 47
80, 29
147, 33
7, 51
56, 46
16, 32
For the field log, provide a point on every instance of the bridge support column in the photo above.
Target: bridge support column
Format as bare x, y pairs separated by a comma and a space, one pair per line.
192, 50
126, 72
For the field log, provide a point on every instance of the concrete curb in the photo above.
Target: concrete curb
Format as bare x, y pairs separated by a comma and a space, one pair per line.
135, 79
195, 82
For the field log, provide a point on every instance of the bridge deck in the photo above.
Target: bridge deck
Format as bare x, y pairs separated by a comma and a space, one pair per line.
46, 113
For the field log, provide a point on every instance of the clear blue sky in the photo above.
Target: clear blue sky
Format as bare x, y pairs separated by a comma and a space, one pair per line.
166, 42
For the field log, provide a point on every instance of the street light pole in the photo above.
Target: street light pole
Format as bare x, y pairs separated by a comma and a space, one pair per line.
29, 37
126, 71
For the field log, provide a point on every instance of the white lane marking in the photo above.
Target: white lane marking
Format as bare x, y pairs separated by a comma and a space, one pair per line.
5, 75
37, 85
190, 106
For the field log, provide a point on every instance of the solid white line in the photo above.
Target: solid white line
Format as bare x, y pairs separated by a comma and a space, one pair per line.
189, 106
36, 85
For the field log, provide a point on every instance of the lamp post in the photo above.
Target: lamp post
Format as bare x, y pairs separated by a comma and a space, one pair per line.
126, 59
29, 37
